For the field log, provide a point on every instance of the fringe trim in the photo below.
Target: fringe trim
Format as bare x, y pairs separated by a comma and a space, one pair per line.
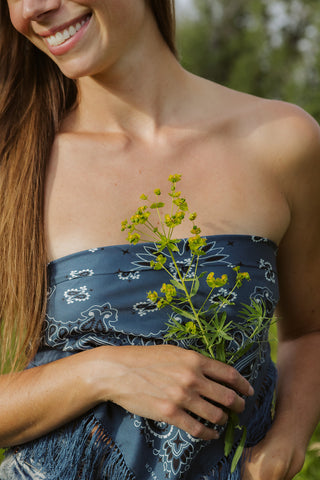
262, 411
81, 450
221, 470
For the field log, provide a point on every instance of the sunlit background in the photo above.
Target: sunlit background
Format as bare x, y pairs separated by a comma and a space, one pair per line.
270, 48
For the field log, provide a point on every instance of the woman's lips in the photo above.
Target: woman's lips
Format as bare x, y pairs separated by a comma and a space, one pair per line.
66, 37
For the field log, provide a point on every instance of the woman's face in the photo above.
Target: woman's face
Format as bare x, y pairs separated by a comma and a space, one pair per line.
83, 37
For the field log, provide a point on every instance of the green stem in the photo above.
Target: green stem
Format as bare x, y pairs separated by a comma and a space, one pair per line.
161, 223
203, 334
195, 270
227, 298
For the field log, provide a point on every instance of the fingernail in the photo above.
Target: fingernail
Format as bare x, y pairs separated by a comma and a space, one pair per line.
251, 391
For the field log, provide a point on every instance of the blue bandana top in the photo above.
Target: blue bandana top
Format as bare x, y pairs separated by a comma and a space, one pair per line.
99, 297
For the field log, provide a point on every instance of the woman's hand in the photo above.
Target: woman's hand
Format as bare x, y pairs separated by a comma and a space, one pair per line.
165, 382
274, 458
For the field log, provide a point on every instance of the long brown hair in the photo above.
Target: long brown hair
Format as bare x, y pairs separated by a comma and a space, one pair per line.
34, 98
164, 12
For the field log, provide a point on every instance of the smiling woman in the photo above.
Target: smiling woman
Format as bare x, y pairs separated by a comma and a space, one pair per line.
95, 106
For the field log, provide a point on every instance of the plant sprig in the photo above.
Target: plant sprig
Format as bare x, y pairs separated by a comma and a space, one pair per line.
206, 329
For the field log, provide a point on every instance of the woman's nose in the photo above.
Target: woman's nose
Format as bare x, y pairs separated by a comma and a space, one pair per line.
33, 9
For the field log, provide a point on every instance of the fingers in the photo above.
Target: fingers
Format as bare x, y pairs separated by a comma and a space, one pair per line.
177, 416
227, 375
177, 386
224, 396
202, 399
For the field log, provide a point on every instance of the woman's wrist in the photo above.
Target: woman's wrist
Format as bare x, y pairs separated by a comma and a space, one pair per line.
285, 433
100, 369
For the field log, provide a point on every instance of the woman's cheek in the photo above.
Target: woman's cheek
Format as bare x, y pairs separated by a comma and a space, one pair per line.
16, 17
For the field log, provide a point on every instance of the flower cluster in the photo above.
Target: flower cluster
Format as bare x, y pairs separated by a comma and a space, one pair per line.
170, 220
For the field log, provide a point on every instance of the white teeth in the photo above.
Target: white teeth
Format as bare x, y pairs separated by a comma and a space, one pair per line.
72, 30
66, 34
62, 36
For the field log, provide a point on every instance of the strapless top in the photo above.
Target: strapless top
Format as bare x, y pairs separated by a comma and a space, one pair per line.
99, 297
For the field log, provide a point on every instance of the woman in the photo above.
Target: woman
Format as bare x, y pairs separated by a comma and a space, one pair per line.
95, 107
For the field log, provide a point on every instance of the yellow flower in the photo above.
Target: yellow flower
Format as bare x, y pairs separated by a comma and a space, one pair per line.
213, 282
157, 191
196, 243
169, 291
174, 220
143, 197
195, 230
175, 194
133, 238
222, 280
153, 296
174, 178
193, 216
191, 327
124, 225
240, 277
168, 220
161, 303
161, 260
181, 203
246, 276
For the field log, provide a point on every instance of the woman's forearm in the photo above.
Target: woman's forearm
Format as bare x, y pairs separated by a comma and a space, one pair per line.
161, 382
298, 395
38, 400
280, 455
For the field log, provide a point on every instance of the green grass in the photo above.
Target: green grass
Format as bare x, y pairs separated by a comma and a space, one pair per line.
311, 468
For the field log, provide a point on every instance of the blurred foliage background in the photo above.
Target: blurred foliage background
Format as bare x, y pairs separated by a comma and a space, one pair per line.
268, 48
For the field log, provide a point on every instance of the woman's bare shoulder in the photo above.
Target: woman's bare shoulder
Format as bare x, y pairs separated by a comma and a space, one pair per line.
273, 129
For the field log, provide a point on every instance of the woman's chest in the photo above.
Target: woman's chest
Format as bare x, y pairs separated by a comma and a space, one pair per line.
90, 191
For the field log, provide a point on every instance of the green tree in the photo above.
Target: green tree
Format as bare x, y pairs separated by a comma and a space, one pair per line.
269, 48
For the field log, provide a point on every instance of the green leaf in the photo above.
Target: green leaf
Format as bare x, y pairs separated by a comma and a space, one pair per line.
173, 247
228, 442
202, 351
202, 275
239, 451
183, 313
225, 336
195, 287
157, 205
229, 437
220, 352
242, 351
177, 284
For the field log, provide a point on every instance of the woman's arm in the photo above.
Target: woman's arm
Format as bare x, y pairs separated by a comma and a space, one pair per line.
159, 382
280, 455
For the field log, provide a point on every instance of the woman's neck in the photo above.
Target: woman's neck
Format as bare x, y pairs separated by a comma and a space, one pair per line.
136, 95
